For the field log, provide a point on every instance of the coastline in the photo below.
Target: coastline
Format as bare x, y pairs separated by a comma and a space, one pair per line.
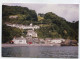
26, 45
18, 45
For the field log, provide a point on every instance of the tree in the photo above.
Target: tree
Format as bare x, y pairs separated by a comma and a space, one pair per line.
8, 33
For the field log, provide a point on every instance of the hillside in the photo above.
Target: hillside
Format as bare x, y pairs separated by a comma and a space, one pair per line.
51, 25
58, 27
24, 14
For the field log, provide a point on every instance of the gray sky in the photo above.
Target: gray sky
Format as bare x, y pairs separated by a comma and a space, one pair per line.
68, 11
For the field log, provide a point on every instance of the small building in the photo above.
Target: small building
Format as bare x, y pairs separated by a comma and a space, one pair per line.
57, 41
23, 26
35, 40
19, 40
36, 27
31, 24
48, 40
13, 16
29, 40
31, 33
42, 41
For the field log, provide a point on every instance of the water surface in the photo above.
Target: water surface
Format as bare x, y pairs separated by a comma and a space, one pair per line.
41, 52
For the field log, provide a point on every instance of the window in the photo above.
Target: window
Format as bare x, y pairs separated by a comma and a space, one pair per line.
20, 41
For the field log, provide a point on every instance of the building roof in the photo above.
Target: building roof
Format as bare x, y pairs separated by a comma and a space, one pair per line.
13, 16
22, 26
19, 38
31, 31
36, 39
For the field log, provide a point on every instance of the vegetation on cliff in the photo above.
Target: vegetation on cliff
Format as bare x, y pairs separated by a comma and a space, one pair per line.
51, 25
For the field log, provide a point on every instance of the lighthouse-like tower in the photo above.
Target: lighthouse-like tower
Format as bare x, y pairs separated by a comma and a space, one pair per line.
31, 24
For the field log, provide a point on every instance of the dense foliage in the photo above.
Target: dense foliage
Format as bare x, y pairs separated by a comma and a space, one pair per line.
51, 25
24, 14
8, 33
54, 26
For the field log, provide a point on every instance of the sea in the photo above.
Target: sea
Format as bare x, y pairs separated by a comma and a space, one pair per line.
41, 51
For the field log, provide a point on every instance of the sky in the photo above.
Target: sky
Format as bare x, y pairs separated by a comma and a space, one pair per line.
68, 11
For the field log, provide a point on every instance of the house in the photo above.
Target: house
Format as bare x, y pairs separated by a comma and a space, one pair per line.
42, 41
29, 40
36, 27
57, 41
35, 40
13, 16
31, 33
31, 24
48, 40
32, 40
23, 26
19, 40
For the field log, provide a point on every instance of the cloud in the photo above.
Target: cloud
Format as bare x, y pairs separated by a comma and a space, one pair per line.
68, 11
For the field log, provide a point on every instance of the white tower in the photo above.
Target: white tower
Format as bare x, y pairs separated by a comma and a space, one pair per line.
31, 24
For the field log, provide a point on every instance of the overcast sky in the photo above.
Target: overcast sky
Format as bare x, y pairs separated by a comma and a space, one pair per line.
68, 11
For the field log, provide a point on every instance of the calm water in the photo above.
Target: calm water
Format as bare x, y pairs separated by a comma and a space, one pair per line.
41, 52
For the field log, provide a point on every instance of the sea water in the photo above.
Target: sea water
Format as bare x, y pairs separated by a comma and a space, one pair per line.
41, 52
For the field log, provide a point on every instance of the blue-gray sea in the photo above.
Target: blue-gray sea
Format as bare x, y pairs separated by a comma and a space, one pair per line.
41, 52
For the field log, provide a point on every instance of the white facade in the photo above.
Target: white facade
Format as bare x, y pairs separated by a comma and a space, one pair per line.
15, 16
31, 33
19, 40
57, 40
23, 26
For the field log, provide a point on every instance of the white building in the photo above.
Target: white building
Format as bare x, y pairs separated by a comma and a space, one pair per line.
23, 26
13, 16
31, 33
36, 27
48, 40
19, 40
57, 40
42, 41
